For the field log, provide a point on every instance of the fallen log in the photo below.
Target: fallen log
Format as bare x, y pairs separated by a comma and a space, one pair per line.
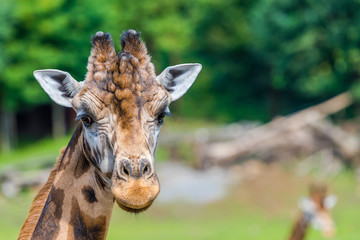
266, 135
14, 181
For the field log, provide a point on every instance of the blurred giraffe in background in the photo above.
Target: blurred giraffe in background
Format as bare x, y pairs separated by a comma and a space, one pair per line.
315, 211
110, 157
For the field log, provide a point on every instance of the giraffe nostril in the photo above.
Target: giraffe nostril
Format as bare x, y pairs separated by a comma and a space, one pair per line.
127, 170
124, 170
145, 168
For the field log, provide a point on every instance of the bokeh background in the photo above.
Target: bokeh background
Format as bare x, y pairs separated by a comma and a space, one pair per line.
243, 144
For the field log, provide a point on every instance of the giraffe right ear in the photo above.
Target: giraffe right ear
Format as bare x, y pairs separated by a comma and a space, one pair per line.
60, 86
179, 78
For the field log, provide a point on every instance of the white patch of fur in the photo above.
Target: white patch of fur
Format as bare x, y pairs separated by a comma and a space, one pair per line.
178, 85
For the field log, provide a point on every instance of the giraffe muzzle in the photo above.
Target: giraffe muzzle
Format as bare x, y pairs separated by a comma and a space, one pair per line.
135, 185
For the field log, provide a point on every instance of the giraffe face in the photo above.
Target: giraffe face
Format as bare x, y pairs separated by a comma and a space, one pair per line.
317, 211
120, 138
121, 105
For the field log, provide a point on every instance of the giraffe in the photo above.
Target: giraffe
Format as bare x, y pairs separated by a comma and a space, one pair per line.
121, 106
315, 210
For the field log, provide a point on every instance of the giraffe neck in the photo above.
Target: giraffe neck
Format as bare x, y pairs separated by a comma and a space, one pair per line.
75, 203
299, 229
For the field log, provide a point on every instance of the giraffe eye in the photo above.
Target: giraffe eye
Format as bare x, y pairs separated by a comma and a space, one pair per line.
160, 118
86, 120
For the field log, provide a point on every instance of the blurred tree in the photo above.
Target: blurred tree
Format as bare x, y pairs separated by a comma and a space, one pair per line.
41, 34
260, 57
228, 89
310, 49
6, 32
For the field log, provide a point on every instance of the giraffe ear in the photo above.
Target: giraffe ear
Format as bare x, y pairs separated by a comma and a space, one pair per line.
60, 86
330, 201
306, 204
179, 78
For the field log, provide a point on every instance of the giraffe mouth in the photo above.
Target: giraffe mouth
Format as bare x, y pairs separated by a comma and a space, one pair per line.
135, 195
131, 209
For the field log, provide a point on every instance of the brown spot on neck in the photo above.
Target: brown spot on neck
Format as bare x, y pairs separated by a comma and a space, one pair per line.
89, 194
48, 226
70, 148
83, 226
82, 166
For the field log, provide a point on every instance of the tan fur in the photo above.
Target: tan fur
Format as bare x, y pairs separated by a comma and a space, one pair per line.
121, 91
39, 202
136, 193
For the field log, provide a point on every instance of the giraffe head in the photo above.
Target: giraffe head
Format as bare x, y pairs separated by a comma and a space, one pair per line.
317, 209
121, 105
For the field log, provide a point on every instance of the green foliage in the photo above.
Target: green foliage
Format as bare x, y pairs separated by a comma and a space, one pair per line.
260, 58
45, 34
309, 47
34, 154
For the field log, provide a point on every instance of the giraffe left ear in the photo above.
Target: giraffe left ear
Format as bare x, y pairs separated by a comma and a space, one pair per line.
306, 204
179, 78
60, 86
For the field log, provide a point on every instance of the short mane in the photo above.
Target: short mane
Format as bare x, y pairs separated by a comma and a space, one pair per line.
39, 202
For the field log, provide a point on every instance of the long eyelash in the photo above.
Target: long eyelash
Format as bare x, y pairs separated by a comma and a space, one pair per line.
82, 114
78, 117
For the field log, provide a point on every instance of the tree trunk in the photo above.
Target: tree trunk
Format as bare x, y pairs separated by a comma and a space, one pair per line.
225, 152
274, 100
58, 120
8, 131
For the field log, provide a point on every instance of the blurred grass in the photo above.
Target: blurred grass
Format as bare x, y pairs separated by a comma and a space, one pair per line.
40, 151
226, 219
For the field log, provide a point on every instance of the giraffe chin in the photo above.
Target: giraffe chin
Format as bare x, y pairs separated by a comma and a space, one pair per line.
132, 210
135, 196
